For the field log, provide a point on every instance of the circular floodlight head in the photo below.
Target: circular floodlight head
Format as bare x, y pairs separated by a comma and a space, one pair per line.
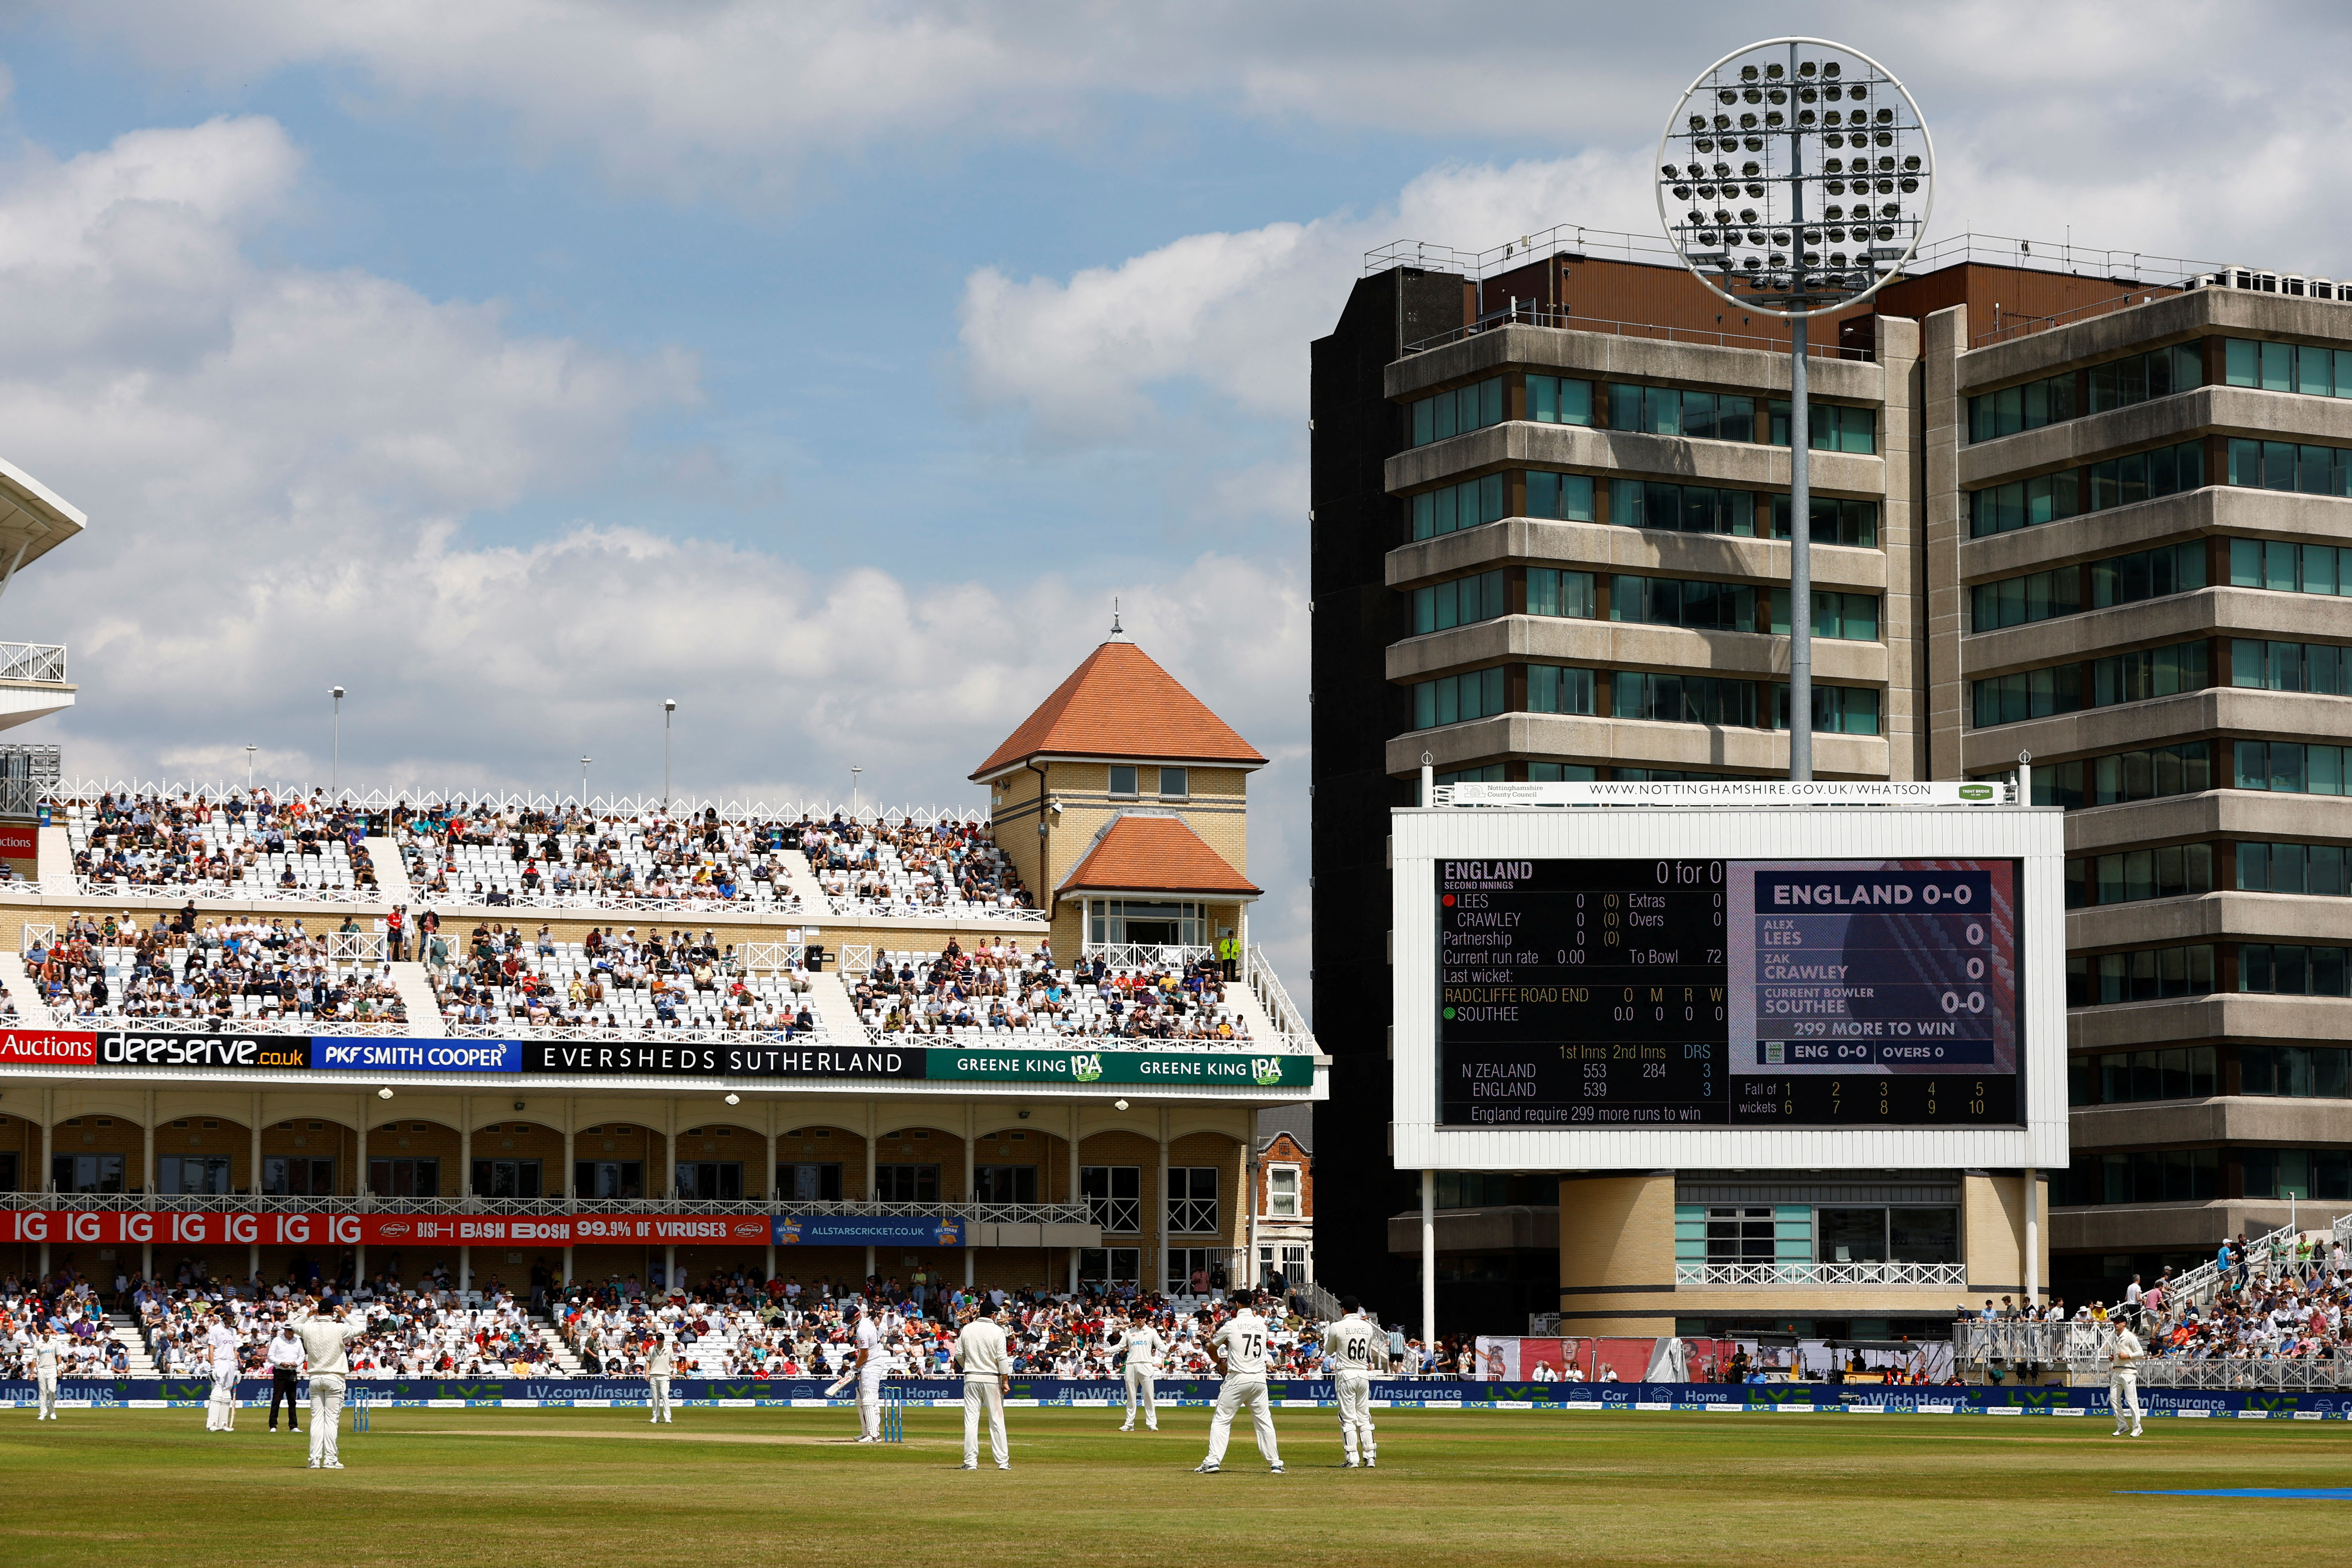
1811, 199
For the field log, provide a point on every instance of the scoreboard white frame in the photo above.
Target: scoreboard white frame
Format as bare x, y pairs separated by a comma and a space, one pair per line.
2033, 836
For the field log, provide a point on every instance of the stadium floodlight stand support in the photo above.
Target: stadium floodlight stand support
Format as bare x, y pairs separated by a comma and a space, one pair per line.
1428, 1263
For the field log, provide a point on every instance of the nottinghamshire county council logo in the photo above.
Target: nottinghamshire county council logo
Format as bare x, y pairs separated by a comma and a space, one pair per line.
1267, 1069
1086, 1069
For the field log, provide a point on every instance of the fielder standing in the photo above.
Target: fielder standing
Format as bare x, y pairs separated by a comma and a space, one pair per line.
1241, 1344
45, 1371
1354, 1348
2123, 1376
1143, 1348
980, 1352
323, 1337
661, 1361
220, 1409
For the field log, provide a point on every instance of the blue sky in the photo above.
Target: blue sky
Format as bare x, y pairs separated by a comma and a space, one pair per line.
517, 364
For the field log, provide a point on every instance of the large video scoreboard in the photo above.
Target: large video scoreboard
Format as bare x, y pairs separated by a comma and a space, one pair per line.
1728, 987
1683, 993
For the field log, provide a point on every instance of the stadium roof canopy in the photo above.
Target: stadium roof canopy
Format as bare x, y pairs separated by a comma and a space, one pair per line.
34, 519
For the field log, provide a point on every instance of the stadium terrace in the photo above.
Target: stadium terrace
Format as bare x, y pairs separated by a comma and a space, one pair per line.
392, 1036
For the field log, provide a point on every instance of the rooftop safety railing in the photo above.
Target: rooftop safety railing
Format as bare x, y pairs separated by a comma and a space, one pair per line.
1534, 313
32, 661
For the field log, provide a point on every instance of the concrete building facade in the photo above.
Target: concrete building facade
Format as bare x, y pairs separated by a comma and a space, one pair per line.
2087, 519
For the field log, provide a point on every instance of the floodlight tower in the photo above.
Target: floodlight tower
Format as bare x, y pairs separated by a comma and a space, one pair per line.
1795, 178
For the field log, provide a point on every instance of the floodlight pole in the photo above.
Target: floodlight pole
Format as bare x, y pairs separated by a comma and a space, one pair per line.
1800, 488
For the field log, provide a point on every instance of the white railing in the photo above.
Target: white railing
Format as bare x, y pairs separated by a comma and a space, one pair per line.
1982, 1343
32, 661
1275, 1000
1145, 954
259, 892
518, 1029
854, 958
358, 947
2243, 1372
232, 1028
78, 792
850, 905
1783, 1276
772, 957
1318, 1302
2201, 1284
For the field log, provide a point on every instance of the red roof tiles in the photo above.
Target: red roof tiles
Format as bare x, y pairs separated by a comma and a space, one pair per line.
1155, 855
1118, 703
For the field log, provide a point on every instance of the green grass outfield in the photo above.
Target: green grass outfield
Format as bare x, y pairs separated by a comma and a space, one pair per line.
782, 1487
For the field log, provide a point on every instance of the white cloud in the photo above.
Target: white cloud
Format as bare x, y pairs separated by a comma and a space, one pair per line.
278, 465
734, 97
1085, 359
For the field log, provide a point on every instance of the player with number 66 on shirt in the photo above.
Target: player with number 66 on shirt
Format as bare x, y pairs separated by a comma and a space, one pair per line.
1241, 1342
1354, 1348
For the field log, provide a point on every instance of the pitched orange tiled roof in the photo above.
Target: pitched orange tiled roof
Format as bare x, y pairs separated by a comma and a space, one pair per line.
1121, 704
1155, 855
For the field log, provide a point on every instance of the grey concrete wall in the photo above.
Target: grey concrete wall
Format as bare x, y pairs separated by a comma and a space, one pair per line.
2226, 509
2230, 312
2209, 917
1944, 420
2251, 1119
1902, 536
1629, 645
1745, 465
2161, 422
2129, 726
2231, 813
1631, 743
2204, 1019
1603, 547
1551, 350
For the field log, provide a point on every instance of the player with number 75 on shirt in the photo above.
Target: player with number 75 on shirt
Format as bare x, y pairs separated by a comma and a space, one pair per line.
1241, 1344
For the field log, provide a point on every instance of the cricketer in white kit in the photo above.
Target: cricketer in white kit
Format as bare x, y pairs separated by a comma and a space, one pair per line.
324, 1336
661, 1361
220, 1409
2122, 1379
1241, 1342
1140, 1347
45, 1372
1354, 1347
980, 1352
872, 1363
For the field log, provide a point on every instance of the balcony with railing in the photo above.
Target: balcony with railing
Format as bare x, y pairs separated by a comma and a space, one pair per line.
1795, 1276
32, 682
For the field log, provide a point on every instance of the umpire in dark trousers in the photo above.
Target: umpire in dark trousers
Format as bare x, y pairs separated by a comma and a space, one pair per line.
285, 1368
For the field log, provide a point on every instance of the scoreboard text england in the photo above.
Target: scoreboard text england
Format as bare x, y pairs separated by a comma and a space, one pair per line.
1596, 993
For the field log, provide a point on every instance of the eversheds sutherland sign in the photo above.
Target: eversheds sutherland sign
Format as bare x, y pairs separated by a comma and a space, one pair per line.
652, 1057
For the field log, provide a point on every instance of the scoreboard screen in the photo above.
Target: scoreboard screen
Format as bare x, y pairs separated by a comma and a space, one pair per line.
1598, 993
